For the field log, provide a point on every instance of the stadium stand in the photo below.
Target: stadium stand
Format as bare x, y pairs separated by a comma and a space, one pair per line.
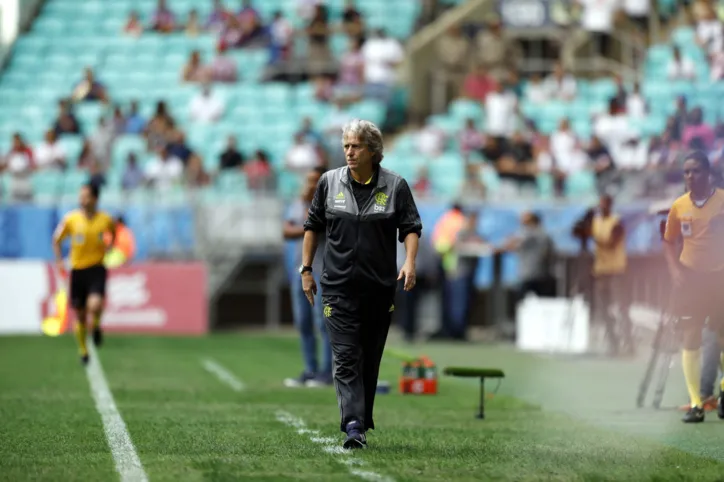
144, 76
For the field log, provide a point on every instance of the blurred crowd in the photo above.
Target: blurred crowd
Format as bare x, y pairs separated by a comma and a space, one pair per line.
365, 70
482, 68
485, 68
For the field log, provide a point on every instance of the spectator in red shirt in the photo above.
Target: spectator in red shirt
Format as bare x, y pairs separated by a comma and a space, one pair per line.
19, 164
163, 18
478, 84
698, 129
133, 25
259, 174
223, 68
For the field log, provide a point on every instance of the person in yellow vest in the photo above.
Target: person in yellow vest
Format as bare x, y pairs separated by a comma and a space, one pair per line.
697, 271
609, 267
123, 249
86, 227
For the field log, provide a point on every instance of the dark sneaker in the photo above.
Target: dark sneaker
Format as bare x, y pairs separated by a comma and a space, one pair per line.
300, 381
97, 336
694, 415
321, 380
356, 438
720, 406
84, 360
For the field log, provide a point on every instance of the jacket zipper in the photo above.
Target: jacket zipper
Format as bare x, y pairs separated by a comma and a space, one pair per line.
350, 190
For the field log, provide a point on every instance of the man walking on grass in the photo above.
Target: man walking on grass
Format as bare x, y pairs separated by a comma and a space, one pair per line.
363, 209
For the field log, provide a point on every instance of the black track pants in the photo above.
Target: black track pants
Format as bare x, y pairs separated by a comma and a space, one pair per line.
357, 327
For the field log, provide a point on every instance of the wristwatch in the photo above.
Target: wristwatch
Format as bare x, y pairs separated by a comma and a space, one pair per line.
305, 269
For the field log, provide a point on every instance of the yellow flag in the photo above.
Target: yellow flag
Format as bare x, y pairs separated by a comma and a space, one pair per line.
57, 324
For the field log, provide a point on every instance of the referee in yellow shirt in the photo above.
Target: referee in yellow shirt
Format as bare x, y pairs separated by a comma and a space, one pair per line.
697, 219
86, 228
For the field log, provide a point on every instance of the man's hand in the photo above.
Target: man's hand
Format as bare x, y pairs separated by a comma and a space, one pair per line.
408, 273
309, 286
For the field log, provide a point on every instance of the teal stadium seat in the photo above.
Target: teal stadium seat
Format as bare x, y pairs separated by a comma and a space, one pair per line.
47, 185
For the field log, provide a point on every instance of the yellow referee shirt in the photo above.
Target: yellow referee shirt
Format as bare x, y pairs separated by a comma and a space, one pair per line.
702, 230
87, 246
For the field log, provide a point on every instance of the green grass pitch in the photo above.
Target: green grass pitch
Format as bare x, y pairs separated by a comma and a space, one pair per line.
188, 425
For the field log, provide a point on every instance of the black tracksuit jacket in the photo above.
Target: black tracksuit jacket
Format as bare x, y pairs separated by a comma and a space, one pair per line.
362, 223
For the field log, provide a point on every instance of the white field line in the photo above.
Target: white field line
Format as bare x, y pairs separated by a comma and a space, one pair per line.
331, 446
124, 453
223, 374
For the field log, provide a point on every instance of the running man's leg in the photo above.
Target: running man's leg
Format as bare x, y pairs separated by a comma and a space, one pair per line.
78, 300
96, 297
711, 362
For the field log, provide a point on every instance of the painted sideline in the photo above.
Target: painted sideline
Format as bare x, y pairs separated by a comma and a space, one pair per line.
128, 464
224, 375
331, 446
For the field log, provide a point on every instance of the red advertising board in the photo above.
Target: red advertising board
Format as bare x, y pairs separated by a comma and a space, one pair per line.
157, 298
162, 298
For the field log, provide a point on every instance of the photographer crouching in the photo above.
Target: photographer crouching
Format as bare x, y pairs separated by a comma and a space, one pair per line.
609, 268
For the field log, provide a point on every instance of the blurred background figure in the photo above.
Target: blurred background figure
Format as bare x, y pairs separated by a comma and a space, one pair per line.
124, 246
308, 319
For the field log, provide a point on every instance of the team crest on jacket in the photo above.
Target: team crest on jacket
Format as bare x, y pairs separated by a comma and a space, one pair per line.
380, 202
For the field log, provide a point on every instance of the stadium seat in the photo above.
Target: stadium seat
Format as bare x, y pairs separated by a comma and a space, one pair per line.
47, 185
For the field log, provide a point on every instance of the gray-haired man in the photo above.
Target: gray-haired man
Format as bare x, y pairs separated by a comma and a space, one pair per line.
362, 207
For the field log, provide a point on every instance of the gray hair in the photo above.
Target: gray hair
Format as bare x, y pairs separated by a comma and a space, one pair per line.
369, 134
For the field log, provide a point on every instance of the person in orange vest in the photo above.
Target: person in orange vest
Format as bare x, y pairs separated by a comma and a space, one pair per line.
444, 236
124, 248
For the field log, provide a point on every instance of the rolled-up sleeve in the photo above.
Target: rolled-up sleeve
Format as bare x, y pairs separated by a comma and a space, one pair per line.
408, 218
316, 217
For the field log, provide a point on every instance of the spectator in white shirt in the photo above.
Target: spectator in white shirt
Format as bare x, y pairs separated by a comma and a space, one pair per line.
561, 85
302, 157
164, 170
430, 141
598, 18
614, 130
206, 107
709, 32
563, 143
635, 103
638, 12
282, 33
500, 111
680, 68
536, 91
382, 55
50, 153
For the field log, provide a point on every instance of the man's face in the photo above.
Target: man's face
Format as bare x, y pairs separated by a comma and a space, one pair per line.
86, 199
605, 204
695, 175
356, 153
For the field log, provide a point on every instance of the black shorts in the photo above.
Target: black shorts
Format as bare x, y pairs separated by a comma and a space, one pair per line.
700, 297
85, 282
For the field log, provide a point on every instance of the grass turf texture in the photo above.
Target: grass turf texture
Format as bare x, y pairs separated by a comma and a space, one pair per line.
187, 425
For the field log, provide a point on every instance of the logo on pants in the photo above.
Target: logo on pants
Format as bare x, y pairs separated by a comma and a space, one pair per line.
327, 311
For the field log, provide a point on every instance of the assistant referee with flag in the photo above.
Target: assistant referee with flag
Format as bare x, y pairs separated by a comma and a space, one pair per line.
364, 210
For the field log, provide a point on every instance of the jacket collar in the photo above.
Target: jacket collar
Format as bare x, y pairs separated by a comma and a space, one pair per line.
380, 181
